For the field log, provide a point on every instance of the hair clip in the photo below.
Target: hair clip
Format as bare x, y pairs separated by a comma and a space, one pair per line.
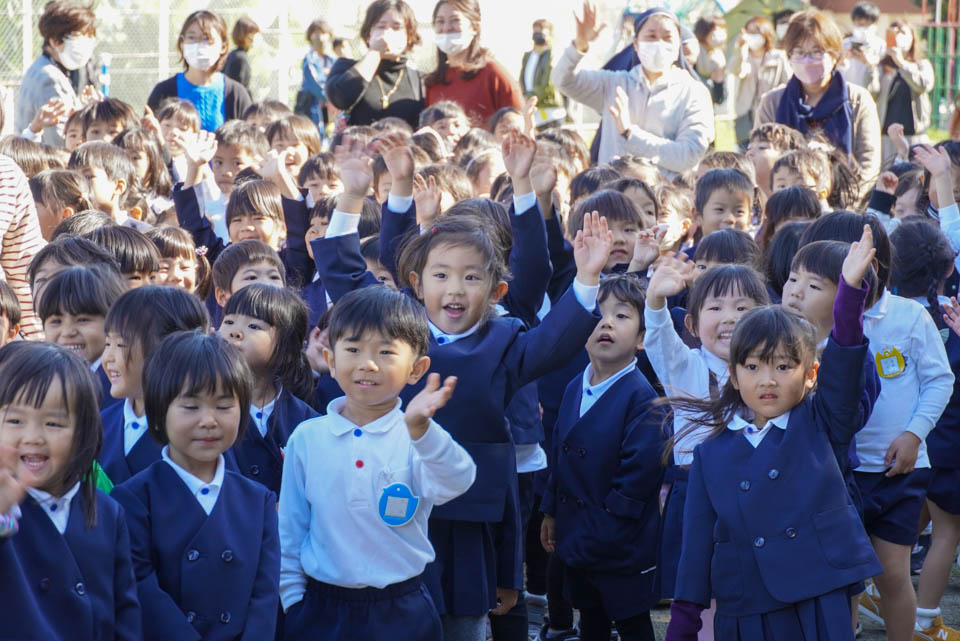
201, 251
434, 229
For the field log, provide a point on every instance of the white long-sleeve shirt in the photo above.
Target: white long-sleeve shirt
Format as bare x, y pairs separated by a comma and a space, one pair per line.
950, 226
334, 474
913, 391
683, 372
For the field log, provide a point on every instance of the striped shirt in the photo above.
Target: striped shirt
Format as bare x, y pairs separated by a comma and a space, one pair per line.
21, 239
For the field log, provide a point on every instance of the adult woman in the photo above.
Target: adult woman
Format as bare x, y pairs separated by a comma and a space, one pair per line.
381, 83
711, 65
757, 67
244, 35
312, 97
657, 109
817, 99
466, 72
202, 46
906, 81
69, 33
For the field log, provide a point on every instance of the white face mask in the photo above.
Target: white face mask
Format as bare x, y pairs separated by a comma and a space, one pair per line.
718, 37
396, 40
781, 30
76, 51
753, 41
656, 57
201, 56
257, 40
903, 40
453, 43
860, 33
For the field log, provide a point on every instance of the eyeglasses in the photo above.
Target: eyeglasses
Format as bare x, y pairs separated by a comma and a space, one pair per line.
194, 40
815, 55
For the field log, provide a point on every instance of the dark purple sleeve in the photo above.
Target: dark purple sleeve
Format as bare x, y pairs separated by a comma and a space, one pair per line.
684, 621
848, 314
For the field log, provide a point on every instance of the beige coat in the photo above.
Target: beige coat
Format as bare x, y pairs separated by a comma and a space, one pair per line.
752, 82
865, 130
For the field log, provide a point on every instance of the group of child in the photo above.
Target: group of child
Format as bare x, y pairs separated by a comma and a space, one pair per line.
401, 388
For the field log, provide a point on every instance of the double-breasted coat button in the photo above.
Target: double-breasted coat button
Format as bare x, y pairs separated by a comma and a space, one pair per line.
44, 584
758, 542
744, 485
255, 470
80, 589
773, 474
227, 556
225, 617
193, 555
191, 616
791, 533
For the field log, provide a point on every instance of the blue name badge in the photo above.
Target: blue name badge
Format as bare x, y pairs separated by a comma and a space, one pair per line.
397, 505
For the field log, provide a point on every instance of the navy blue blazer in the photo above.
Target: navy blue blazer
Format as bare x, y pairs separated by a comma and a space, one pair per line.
774, 525
561, 260
315, 296
117, 466
325, 391
260, 458
943, 442
204, 577
75, 586
105, 399
605, 483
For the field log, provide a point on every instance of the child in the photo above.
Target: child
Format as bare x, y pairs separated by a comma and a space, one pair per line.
106, 118
73, 310
9, 314
677, 214
320, 175
370, 250
145, 152
407, 464
724, 199
239, 145
623, 218
771, 437
727, 160
768, 143
643, 198
179, 126
245, 263
112, 180
73, 130
63, 253
448, 119
727, 247
59, 194
717, 301
131, 337
205, 547
67, 572
479, 348
804, 168
299, 136
181, 264
261, 114
588, 182
268, 326
601, 508
907, 194
135, 253
778, 258
482, 169
791, 204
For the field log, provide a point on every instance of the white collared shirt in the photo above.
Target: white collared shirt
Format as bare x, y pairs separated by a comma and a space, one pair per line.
205, 493
95, 365
592, 393
58, 509
134, 427
950, 226
750, 431
683, 372
261, 415
335, 473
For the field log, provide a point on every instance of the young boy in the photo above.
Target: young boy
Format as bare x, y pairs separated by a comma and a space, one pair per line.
804, 168
107, 118
601, 511
768, 142
320, 175
112, 178
179, 126
366, 477
9, 314
723, 200
138, 257
65, 252
245, 263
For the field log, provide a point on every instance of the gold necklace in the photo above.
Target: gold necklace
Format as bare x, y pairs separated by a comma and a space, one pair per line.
385, 97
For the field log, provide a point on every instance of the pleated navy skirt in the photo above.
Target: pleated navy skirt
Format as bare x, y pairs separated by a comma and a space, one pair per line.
823, 618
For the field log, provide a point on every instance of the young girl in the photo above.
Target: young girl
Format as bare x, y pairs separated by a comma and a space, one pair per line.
297, 134
206, 551
67, 572
147, 156
268, 325
456, 272
136, 254
59, 194
766, 503
181, 263
131, 337
179, 124
791, 204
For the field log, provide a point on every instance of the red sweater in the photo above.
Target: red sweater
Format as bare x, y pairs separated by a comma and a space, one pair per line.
492, 88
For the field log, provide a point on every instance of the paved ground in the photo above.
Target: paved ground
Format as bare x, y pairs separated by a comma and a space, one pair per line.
871, 632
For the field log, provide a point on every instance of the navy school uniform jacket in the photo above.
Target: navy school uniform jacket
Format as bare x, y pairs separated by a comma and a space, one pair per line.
78, 585
773, 525
212, 577
943, 443
105, 399
260, 458
326, 390
315, 296
605, 482
117, 466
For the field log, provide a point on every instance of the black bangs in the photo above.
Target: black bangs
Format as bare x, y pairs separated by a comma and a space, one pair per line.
382, 310
80, 290
146, 314
723, 280
263, 302
763, 332
823, 258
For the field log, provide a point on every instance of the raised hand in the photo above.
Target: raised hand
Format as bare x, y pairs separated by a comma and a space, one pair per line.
895, 131
529, 111
12, 490
424, 405
951, 315
934, 160
274, 168
543, 171
398, 156
518, 154
356, 167
426, 196
90, 95
587, 27
49, 115
200, 150
887, 182
149, 122
646, 248
620, 110
859, 259
591, 248
672, 275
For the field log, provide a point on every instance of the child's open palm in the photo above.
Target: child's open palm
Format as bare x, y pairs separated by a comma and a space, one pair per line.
426, 195
518, 154
356, 166
591, 248
200, 150
859, 258
397, 155
646, 248
951, 315
424, 405
12, 490
936, 161
671, 277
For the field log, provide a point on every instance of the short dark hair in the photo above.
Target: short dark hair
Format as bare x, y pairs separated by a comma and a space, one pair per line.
61, 18
805, 162
722, 280
779, 253
109, 110
392, 125
731, 180
626, 289
299, 128
780, 137
61, 188
589, 180
80, 290
473, 143
69, 251
865, 11
623, 184
174, 242
375, 11
370, 249
193, 362
440, 110
235, 255
491, 216
27, 370
30, 156
730, 160
792, 202
369, 218
611, 204
82, 223
320, 25
133, 139
255, 196
383, 310
132, 249
450, 178
9, 305
729, 247
323, 165
243, 31
114, 162
272, 110
181, 110
243, 135
171, 310
924, 259
848, 227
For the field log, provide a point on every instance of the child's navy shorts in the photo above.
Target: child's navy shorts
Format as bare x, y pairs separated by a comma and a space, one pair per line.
892, 506
331, 613
944, 488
